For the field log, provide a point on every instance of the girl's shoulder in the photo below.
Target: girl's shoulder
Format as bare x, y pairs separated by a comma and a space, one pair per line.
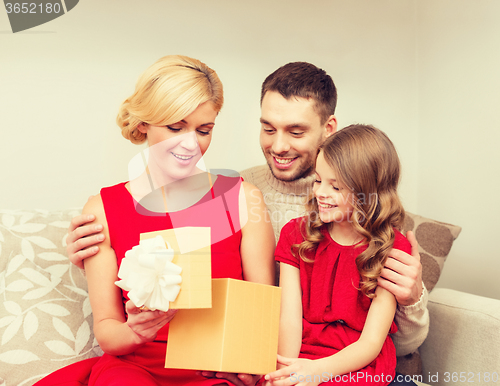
294, 230
295, 224
291, 234
401, 242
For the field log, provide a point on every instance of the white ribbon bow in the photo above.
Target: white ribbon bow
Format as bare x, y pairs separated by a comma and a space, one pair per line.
149, 276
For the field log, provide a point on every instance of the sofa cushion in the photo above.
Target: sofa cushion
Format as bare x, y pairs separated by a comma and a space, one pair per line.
463, 339
435, 240
45, 320
45, 314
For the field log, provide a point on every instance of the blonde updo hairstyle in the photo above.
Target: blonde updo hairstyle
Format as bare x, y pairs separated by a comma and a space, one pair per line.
365, 160
167, 92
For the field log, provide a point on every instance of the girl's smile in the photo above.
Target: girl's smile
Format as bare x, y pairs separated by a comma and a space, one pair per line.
323, 207
334, 199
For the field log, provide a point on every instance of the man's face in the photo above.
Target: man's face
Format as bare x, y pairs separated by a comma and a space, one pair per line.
291, 132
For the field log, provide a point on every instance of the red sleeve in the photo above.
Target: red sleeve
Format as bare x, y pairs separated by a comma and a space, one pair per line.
290, 235
401, 242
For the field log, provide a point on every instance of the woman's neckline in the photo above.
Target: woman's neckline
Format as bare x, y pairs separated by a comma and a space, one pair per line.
157, 197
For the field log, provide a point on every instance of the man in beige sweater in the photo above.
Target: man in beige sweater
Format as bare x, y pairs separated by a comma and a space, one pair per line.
297, 113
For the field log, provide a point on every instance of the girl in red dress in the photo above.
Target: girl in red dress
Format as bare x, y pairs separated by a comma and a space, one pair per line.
173, 108
334, 319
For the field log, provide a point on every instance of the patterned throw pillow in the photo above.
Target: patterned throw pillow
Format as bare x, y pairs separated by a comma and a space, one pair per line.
45, 314
435, 240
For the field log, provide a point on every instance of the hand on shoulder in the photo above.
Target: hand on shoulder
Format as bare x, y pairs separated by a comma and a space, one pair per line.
85, 232
402, 274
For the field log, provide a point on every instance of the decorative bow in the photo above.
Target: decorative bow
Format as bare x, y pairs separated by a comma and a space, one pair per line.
149, 276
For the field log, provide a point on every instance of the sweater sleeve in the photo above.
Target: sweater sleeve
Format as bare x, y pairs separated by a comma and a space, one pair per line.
413, 325
413, 320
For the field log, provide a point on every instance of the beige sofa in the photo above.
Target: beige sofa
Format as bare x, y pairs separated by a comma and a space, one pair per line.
46, 321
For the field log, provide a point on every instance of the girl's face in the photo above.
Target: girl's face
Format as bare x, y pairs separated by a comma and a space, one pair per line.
334, 199
176, 149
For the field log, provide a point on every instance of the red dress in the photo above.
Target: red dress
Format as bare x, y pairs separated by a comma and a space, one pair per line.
126, 219
334, 310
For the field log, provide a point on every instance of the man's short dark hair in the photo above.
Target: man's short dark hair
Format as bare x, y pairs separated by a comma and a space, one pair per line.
304, 80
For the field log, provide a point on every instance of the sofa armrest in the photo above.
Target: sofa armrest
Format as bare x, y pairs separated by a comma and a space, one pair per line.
464, 339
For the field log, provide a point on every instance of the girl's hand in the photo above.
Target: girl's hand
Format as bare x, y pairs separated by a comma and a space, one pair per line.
146, 324
298, 371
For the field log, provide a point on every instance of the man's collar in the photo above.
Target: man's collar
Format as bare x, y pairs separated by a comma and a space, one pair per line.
302, 186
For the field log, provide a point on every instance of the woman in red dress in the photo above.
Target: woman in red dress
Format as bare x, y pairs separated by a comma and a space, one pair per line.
173, 108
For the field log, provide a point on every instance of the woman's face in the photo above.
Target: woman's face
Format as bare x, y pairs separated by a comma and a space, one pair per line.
176, 149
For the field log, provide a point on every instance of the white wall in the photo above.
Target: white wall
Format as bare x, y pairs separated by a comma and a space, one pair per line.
61, 84
459, 134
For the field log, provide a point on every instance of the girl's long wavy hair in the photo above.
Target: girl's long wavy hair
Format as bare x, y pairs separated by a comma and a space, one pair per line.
364, 159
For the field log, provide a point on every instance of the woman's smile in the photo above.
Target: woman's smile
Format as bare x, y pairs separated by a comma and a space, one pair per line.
183, 159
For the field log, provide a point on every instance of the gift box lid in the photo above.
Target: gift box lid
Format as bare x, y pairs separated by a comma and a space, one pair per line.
192, 246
